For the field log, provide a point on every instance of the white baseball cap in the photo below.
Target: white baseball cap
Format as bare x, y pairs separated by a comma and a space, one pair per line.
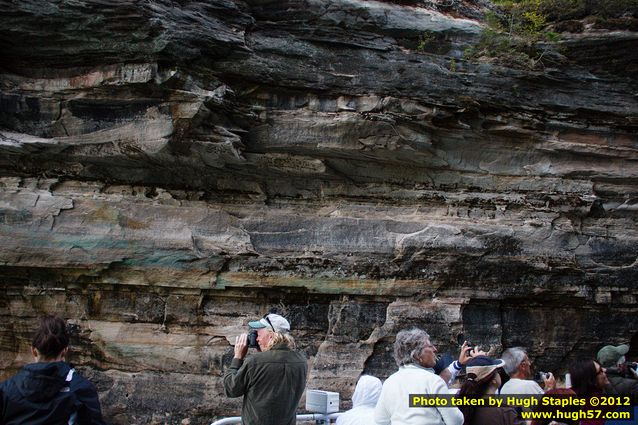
271, 321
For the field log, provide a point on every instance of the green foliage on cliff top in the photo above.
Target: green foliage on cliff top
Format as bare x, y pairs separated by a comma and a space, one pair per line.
558, 10
535, 14
515, 27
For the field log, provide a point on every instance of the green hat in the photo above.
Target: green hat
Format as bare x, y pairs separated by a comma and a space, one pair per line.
609, 355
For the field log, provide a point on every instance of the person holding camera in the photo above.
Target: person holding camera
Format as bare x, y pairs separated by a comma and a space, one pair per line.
416, 356
450, 372
623, 378
271, 381
519, 368
49, 391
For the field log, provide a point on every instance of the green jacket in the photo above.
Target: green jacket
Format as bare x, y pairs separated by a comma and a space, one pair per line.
271, 382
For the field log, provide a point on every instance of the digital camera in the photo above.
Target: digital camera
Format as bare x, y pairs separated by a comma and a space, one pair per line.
541, 376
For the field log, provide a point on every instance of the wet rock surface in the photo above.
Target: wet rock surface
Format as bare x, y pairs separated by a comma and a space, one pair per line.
169, 171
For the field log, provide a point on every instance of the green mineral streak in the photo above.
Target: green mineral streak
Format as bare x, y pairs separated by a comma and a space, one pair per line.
125, 252
169, 259
87, 243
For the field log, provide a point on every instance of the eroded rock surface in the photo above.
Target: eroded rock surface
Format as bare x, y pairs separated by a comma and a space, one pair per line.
169, 171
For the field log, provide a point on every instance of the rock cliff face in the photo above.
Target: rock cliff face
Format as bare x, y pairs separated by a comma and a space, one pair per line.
170, 170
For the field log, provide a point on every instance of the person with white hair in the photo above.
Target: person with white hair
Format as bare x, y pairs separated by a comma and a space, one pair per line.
364, 399
271, 381
415, 355
519, 368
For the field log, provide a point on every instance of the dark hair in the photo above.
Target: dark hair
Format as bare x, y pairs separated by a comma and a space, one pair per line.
51, 337
474, 389
583, 375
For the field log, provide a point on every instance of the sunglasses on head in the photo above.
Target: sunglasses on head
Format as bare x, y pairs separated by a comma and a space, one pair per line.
269, 322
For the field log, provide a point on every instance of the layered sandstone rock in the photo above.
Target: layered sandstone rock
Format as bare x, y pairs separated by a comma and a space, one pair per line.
170, 171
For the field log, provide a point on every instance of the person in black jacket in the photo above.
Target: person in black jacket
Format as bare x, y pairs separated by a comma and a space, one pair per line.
49, 391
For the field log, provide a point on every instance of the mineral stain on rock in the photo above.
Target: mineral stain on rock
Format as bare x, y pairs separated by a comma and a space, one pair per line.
170, 172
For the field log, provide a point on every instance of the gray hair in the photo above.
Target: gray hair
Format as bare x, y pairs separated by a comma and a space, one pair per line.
408, 345
513, 357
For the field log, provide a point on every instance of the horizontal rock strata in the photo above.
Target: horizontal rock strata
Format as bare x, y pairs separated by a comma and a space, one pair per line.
170, 171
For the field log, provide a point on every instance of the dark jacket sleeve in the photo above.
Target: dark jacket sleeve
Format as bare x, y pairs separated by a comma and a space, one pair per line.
2, 403
511, 417
629, 387
89, 412
619, 385
237, 378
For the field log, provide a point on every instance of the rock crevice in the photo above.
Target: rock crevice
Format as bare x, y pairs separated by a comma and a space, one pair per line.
170, 171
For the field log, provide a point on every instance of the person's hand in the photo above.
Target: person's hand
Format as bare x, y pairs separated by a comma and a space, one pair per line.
550, 382
464, 355
634, 373
241, 346
468, 352
477, 351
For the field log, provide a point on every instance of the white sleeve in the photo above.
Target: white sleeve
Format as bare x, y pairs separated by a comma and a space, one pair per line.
450, 415
381, 414
535, 388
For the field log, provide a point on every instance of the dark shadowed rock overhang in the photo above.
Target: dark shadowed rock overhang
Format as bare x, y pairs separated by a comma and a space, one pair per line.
169, 170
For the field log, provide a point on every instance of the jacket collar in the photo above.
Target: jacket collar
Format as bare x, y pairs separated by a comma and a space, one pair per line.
280, 347
416, 366
41, 381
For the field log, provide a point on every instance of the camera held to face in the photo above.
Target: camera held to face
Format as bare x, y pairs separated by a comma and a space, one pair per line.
252, 339
541, 376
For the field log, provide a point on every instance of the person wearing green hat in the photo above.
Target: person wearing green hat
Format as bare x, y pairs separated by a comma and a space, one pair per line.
272, 380
623, 379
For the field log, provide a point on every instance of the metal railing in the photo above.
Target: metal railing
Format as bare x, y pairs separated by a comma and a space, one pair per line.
303, 417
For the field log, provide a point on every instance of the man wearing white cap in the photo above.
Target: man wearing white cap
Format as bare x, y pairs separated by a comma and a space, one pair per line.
272, 380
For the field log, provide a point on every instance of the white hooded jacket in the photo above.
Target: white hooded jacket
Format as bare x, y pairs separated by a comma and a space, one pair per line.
364, 399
